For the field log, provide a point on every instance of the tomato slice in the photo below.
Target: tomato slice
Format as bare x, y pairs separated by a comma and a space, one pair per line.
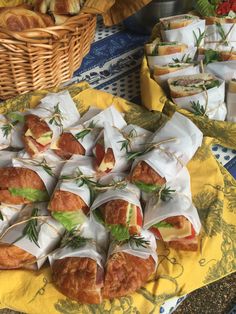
139, 216
193, 234
156, 232
99, 153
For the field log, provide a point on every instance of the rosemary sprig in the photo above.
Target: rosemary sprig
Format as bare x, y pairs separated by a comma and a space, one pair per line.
56, 117
1, 216
126, 143
166, 194
199, 38
222, 34
135, 240
185, 59
150, 146
30, 230
73, 240
42, 164
13, 119
81, 135
198, 109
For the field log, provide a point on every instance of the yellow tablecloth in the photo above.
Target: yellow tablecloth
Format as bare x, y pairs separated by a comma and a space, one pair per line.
178, 273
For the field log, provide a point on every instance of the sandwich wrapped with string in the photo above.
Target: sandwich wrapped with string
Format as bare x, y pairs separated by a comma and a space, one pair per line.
8, 215
80, 139
27, 181
203, 94
162, 53
11, 130
118, 207
185, 28
44, 124
78, 265
170, 149
27, 243
171, 216
109, 152
73, 195
129, 265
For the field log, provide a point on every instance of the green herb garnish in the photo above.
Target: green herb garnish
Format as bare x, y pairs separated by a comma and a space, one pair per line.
199, 37
198, 109
31, 230
162, 224
211, 56
73, 240
136, 240
13, 118
166, 194
1, 216
56, 117
81, 135
126, 143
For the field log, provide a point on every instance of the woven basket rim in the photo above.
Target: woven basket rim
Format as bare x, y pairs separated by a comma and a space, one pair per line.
51, 32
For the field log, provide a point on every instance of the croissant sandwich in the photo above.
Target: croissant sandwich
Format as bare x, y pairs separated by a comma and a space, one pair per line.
164, 48
105, 159
79, 278
21, 186
37, 135
191, 84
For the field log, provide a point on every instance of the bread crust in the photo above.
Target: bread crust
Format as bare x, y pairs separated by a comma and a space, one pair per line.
144, 173
185, 244
115, 211
64, 201
13, 257
36, 125
68, 146
125, 274
80, 279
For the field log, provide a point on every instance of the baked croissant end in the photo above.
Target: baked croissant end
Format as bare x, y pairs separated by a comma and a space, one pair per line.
65, 6
64, 201
142, 172
67, 145
19, 19
13, 257
79, 278
125, 274
21, 186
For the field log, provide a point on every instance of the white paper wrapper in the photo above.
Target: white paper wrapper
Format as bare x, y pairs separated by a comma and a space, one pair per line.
213, 39
162, 60
162, 79
46, 109
130, 193
9, 214
53, 161
231, 105
215, 96
5, 141
225, 70
170, 157
111, 115
84, 165
50, 233
139, 137
141, 252
94, 250
185, 34
6, 158
180, 204
112, 139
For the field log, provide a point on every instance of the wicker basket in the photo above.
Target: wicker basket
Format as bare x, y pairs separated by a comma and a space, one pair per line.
44, 57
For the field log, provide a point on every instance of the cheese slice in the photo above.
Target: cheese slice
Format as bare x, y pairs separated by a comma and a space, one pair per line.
43, 140
169, 233
106, 166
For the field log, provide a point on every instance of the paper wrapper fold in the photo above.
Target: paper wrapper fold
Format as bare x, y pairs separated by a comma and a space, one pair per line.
183, 139
50, 232
179, 205
138, 137
225, 70
231, 105
214, 40
9, 214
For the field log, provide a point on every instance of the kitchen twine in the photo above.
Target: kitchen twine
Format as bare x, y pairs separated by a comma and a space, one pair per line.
223, 41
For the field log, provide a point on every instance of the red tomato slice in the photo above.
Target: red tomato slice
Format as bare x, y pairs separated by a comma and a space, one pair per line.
156, 232
193, 234
139, 218
99, 153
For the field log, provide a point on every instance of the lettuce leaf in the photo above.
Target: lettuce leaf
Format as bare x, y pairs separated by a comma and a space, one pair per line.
32, 195
148, 188
70, 220
163, 224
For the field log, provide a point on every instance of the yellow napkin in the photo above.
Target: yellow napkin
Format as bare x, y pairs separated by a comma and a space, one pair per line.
178, 272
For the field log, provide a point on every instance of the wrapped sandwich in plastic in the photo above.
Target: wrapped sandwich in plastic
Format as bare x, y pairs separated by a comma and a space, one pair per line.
203, 94
171, 148
220, 34
129, 265
231, 101
27, 243
171, 215
71, 199
118, 208
11, 130
109, 152
80, 139
44, 124
162, 53
185, 28
78, 265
